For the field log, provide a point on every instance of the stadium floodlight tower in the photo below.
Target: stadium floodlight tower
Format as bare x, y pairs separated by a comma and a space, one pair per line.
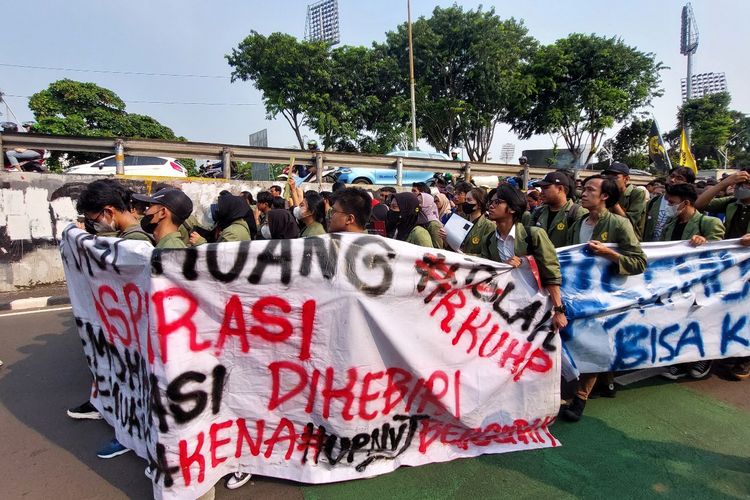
323, 22
688, 47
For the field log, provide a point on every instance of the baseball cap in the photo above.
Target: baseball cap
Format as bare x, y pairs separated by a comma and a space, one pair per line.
617, 168
175, 200
557, 178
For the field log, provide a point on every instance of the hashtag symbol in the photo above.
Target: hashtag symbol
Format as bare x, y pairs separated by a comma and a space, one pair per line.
434, 269
311, 438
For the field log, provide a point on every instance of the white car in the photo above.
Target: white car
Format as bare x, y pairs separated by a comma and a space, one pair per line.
134, 165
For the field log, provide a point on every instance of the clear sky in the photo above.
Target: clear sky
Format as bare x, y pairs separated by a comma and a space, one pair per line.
192, 37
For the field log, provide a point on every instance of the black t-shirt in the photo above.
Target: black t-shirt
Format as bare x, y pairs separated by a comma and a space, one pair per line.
679, 228
550, 217
740, 222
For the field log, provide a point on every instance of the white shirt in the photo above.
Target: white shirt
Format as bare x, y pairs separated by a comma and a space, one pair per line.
506, 247
587, 231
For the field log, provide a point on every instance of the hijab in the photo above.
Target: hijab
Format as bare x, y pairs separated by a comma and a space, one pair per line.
282, 224
409, 215
229, 208
429, 208
444, 206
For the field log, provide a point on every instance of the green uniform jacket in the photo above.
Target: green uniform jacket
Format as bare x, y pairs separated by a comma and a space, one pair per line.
236, 231
420, 236
482, 228
612, 228
710, 228
725, 205
543, 252
652, 217
132, 233
558, 234
314, 229
633, 201
188, 227
172, 240
433, 227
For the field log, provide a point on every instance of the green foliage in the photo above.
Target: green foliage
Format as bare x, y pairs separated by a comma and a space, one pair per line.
69, 107
584, 84
468, 68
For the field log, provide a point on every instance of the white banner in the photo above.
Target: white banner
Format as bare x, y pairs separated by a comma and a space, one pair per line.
317, 360
690, 304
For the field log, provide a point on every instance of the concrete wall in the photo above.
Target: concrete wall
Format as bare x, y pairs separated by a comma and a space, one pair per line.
36, 208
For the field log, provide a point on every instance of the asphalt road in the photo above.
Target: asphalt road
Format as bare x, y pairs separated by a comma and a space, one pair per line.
655, 440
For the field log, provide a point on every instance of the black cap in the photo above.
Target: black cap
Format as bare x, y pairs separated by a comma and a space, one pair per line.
557, 178
175, 200
617, 168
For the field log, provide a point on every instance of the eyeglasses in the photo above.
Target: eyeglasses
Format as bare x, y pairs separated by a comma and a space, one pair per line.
339, 212
495, 201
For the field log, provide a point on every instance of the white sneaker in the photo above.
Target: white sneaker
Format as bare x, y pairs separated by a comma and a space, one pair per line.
237, 480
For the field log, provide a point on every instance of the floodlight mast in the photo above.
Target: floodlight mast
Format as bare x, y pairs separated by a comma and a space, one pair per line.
322, 22
688, 47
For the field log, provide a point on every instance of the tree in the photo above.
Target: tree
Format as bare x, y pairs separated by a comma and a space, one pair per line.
289, 73
468, 70
739, 142
711, 124
630, 145
584, 84
68, 107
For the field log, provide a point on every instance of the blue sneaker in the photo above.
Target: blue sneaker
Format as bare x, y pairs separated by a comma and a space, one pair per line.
112, 449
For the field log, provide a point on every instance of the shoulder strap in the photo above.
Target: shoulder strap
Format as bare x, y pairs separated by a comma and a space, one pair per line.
529, 243
571, 215
700, 225
138, 229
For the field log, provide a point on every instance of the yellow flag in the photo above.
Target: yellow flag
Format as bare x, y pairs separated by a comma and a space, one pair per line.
686, 157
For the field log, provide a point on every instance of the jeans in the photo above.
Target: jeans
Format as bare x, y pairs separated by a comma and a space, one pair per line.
15, 157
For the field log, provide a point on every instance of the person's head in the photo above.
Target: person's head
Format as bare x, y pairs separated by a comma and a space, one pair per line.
700, 186
327, 195
523, 160
229, 208
742, 189
420, 187
599, 192
275, 190
265, 201
311, 209
533, 199
476, 201
459, 192
351, 211
455, 154
679, 198
505, 202
104, 204
555, 187
168, 208
248, 197
312, 145
681, 175
385, 193
337, 186
620, 173
278, 202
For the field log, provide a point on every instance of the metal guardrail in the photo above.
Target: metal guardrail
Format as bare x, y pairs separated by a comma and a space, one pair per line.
229, 152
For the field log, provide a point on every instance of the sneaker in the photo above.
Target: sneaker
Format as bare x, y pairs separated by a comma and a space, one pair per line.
573, 411
237, 480
675, 372
740, 370
85, 411
112, 449
699, 369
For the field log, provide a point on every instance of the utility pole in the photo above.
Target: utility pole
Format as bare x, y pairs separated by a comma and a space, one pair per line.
411, 81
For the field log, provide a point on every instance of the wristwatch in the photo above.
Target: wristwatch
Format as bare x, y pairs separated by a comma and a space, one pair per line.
560, 309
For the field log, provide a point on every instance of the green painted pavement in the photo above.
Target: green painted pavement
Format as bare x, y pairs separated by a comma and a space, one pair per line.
657, 440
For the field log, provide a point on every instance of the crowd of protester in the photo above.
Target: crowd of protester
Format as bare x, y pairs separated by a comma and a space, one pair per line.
508, 224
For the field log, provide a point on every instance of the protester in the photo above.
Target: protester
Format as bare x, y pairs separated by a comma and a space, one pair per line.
350, 211
385, 193
168, 209
602, 226
533, 200
737, 223
444, 207
281, 225
632, 201
407, 220
459, 197
264, 204
337, 186
656, 210
430, 211
511, 241
312, 213
252, 216
230, 216
686, 223
275, 191
557, 213
475, 207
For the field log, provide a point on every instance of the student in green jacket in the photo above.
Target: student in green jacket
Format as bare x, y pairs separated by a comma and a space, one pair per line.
230, 216
312, 212
599, 227
558, 212
475, 208
168, 209
656, 210
632, 201
407, 220
510, 241
105, 205
737, 224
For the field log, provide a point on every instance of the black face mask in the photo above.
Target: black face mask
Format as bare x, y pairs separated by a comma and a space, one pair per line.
147, 224
392, 219
469, 208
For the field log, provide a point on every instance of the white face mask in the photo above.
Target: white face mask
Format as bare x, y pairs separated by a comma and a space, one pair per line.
298, 213
265, 232
672, 210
